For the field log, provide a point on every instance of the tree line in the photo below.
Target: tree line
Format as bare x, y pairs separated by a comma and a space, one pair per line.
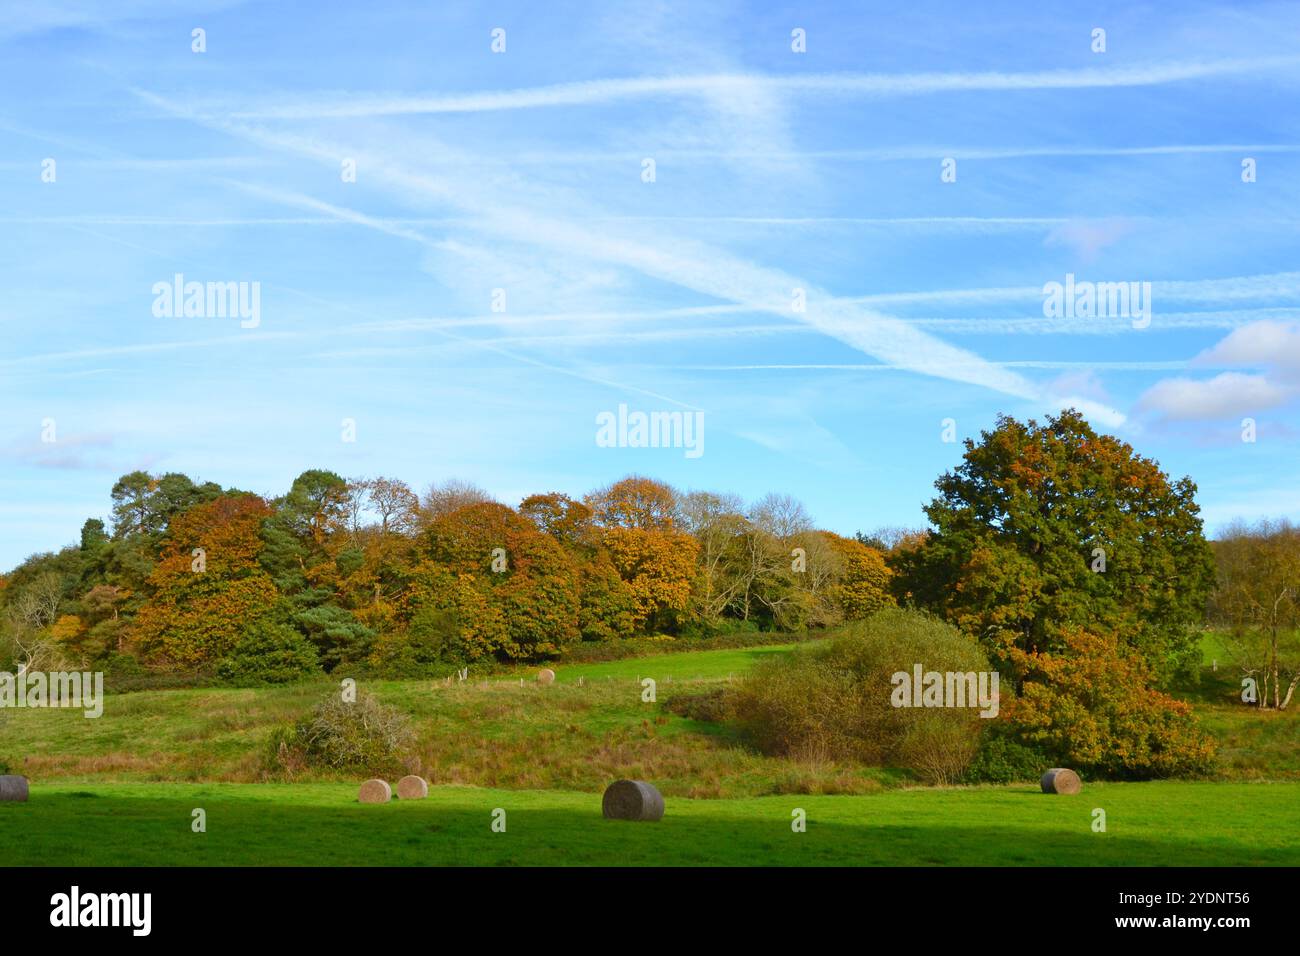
1060, 550
194, 577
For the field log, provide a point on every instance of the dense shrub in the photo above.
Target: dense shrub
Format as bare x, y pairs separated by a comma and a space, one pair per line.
430, 646
939, 744
339, 637
161, 680
1003, 759
710, 706
270, 653
364, 736
1091, 707
833, 702
120, 664
124, 673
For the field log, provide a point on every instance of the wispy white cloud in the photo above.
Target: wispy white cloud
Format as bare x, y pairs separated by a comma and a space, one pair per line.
34, 18
75, 451
1088, 237
603, 338
1227, 394
157, 164
146, 348
1271, 344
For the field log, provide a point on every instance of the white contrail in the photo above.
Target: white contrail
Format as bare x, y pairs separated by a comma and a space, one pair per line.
1160, 322
1152, 366
1273, 285
873, 154
672, 259
715, 85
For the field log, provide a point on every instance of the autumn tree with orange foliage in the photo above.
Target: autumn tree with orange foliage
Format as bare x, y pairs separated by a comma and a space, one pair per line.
634, 502
657, 567
636, 520
567, 521
207, 587
862, 584
526, 575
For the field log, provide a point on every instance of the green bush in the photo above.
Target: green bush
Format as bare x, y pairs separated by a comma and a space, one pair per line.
121, 664
402, 662
938, 746
339, 637
1002, 759
363, 736
833, 702
159, 680
430, 646
270, 653
710, 706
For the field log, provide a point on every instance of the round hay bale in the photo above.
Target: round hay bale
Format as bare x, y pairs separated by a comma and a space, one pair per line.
412, 788
632, 800
546, 676
375, 791
13, 789
1061, 780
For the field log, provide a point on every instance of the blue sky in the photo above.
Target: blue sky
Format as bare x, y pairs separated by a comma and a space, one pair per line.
523, 171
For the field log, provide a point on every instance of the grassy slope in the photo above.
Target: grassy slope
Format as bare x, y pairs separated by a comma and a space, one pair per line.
1253, 744
693, 665
494, 732
483, 732
119, 790
1152, 824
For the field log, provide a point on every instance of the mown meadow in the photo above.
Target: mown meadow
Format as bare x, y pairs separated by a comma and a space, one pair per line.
1149, 824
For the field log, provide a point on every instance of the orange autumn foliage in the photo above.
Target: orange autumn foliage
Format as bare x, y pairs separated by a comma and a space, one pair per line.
200, 604
1091, 706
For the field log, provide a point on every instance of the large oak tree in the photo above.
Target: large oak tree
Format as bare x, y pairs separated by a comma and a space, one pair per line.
1045, 528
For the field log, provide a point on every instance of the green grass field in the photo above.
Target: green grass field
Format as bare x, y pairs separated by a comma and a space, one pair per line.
489, 732
120, 789
1152, 824
693, 665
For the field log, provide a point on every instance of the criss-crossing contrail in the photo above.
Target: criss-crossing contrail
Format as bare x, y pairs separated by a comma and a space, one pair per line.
592, 92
